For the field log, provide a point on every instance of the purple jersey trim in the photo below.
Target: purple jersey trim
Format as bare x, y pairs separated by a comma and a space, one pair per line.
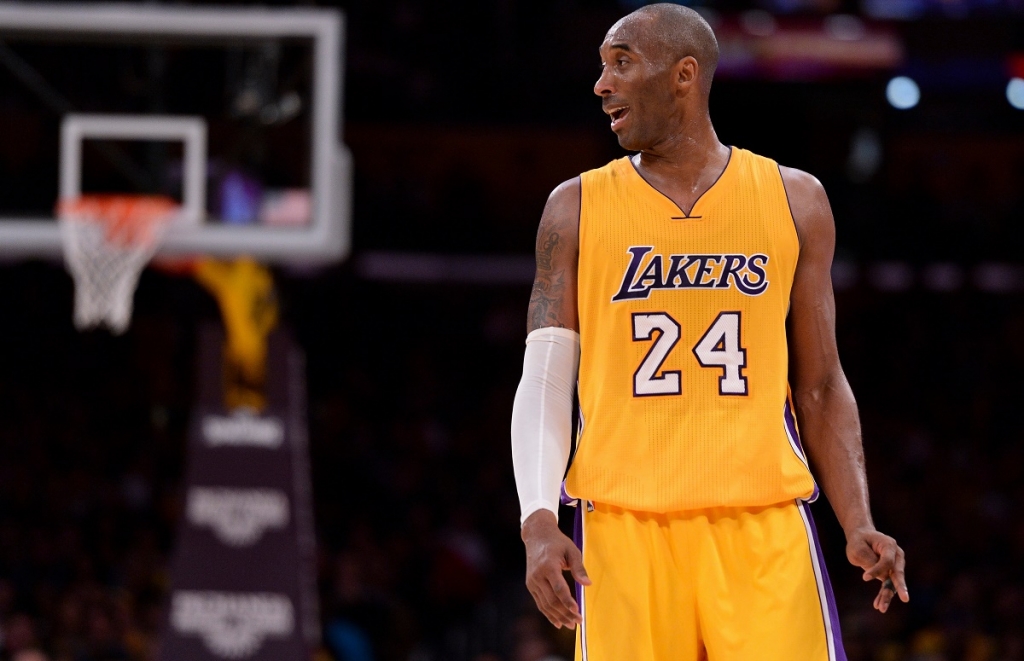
577, 537
787, 413
566, 499
790, 420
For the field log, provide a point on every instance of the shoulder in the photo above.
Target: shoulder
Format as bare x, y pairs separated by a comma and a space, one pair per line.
808, 204
800, 184
562, 211
566, 200
566, 192
610, 176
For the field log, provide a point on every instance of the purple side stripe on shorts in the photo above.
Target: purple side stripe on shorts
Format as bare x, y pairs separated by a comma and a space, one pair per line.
830, 599
577, 537
577, 531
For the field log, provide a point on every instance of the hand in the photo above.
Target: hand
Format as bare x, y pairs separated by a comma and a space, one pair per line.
548, 554
882, 559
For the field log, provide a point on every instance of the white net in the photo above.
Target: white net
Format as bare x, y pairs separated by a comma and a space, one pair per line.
108, 240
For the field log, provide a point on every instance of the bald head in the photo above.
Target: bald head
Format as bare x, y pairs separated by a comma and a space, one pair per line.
656, 69
671, 32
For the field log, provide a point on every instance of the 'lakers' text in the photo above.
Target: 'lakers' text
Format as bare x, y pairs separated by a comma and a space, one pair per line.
646, 272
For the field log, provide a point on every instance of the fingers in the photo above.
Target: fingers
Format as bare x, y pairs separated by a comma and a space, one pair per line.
886, 561
552, 593
549, 553
884, 597
564, 605
894, 584
575, 562
542, 598
898, 578
543, 602
882, 559
550, 605
555, 600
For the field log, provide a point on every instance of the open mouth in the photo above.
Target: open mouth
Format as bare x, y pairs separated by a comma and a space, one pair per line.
618, 115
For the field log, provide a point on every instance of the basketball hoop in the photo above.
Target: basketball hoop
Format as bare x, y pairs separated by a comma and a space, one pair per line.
108, 240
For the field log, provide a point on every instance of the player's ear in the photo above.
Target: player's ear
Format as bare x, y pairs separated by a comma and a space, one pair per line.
685, 73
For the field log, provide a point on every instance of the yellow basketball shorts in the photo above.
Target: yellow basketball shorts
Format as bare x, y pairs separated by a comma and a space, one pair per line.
720, 584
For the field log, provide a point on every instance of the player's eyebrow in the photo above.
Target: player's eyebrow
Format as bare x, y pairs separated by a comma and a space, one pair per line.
624, 47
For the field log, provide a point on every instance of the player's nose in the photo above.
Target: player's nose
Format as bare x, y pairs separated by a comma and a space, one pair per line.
604, 86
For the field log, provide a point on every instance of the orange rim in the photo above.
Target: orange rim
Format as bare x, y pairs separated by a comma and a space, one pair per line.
127, 219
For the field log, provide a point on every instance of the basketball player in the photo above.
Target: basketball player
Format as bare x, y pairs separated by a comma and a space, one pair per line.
687, 290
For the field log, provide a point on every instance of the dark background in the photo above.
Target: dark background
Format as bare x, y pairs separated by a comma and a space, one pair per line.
461, 117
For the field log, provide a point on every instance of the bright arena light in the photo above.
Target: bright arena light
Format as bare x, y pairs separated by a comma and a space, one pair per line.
902, 93
1015, 93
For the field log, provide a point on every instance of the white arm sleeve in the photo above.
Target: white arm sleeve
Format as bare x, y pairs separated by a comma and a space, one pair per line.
542, 417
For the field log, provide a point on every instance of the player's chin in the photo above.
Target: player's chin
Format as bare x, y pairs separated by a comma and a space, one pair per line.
628, 141
631, 140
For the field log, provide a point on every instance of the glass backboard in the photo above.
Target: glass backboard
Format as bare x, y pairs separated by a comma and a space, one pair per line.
235, 112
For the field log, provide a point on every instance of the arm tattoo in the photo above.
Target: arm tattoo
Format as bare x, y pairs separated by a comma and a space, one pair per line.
548, 287
547, 251
546, 300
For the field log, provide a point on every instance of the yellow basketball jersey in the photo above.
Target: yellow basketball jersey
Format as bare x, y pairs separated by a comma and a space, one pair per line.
683, 380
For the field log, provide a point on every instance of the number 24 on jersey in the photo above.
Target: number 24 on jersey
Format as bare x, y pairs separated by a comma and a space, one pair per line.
719, 347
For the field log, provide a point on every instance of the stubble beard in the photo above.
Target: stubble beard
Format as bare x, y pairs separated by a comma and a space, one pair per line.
641, 136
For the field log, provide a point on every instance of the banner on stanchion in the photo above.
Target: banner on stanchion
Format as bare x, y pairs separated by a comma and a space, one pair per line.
243, 576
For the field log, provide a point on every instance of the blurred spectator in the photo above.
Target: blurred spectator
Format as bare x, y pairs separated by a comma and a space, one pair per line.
30, 655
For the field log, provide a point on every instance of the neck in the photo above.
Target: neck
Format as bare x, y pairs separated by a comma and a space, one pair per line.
685, 164
687, 152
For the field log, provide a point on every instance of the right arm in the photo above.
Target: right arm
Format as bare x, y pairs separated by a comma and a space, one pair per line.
553, 300
552, 305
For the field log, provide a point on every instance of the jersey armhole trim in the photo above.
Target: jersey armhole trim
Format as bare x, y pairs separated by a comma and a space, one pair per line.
579, 223
579, 253
789, 205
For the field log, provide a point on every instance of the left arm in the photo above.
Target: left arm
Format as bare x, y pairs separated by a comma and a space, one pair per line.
826, 408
